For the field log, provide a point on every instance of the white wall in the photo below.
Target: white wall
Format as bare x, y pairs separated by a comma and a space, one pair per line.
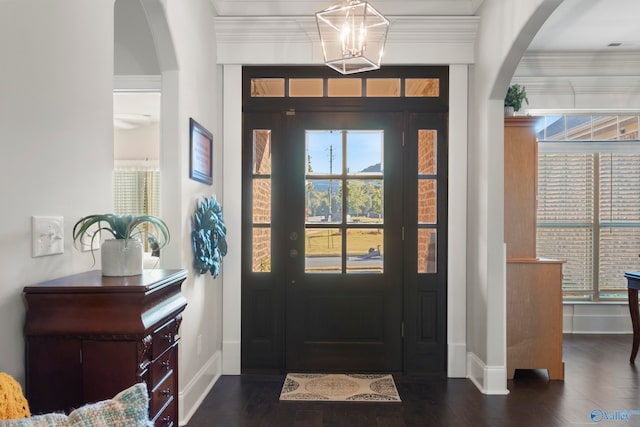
140, 143
191, 90
133, 42
506, 29
56, 155
185, 46
56, 141
232, 305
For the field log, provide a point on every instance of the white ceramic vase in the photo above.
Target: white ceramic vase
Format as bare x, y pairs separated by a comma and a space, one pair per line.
119, 259
509, 111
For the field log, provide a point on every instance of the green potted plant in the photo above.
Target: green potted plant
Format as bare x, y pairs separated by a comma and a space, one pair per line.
513, 100
122, 255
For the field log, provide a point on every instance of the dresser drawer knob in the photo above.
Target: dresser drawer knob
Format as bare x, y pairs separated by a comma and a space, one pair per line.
166, 365
166, 392
168, 337
166, 421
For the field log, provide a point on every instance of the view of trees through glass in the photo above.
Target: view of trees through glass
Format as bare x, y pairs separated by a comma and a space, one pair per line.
339, 160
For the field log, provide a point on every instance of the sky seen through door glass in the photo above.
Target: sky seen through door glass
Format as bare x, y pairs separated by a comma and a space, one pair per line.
324, 151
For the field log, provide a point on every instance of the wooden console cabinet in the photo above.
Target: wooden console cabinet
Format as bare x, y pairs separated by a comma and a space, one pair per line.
534, 285
88, 337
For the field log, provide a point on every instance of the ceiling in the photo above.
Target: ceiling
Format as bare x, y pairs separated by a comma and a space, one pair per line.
590, 25
132, 110
576, 25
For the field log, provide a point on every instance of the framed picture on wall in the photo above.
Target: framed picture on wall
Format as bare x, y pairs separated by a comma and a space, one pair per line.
201, 153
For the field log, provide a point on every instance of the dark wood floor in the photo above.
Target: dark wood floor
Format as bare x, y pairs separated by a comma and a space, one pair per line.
598, 376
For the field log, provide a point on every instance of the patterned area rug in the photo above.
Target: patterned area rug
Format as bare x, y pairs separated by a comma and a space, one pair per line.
340, 388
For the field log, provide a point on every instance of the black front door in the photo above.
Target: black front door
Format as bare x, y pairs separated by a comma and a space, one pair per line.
344, 247
343, 241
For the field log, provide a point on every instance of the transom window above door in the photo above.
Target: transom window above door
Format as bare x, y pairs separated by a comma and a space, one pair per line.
345, 87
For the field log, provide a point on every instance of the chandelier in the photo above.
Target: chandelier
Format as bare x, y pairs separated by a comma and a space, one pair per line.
353, 35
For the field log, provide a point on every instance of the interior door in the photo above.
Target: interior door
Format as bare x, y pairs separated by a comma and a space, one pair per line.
341, 212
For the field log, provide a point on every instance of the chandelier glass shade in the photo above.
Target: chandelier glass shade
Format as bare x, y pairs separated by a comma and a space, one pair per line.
353, 35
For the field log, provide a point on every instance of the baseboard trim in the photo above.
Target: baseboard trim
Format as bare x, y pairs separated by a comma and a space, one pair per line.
596, 318
191, 396
488, 379
457, 360
231, 357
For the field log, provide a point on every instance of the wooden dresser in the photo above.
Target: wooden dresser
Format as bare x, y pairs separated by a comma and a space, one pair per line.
534, 285
88, 337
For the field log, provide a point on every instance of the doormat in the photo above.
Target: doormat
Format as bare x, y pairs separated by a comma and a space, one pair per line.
340, 388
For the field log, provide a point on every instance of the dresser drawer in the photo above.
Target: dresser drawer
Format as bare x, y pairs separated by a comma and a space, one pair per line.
162, 366
162, 393
163, 338
168, 417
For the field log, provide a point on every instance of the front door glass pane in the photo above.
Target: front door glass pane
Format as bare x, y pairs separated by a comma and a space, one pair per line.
427, 201
365, 250
261, 152
427, 241
339, 161
323, 201
427, 152
324, 152
323, 250
261, 252
364, 152
261, 200
364, 201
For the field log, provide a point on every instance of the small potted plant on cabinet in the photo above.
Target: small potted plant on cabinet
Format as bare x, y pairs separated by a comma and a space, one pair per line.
513, 100
122, 255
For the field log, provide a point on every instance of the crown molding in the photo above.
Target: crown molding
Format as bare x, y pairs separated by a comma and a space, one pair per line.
580, 85
137, 83
309, 7
294, 39
595, 63
243, 30
428, 29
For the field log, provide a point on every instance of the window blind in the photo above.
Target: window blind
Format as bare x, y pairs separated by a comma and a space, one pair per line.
136, 192
565, 216
589, 200
619, 216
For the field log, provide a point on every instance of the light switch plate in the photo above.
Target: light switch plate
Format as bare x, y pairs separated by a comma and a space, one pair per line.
47, 235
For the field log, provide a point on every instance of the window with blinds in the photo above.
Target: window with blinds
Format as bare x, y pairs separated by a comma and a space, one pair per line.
619, 221
589, 201
565, 226
136, 192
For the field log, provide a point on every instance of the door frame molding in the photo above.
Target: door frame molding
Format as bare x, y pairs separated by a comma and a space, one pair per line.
457, 208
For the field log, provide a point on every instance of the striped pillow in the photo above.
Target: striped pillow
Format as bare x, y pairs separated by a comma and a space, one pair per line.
129, 408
